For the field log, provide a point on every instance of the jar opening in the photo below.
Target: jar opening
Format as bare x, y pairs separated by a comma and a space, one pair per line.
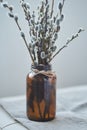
41, 67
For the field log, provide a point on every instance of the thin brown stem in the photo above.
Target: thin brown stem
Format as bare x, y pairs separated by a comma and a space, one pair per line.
39, 109
25, 42
58, 52
18, 25
28, 49
46, 17
64, 46
52, 8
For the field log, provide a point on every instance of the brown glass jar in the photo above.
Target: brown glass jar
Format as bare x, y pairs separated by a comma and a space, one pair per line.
41, 93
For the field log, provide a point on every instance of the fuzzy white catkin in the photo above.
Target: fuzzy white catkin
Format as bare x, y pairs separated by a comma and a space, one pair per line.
27, 5
11, 7
22, 34
43, 55
11, 15
5, 4
15, 17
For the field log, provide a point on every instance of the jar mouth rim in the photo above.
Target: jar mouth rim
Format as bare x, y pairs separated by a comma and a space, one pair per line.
41, 67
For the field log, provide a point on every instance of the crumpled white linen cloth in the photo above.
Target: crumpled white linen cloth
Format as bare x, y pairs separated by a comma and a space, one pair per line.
71, 111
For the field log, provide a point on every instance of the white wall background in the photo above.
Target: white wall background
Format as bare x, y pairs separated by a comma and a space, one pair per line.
70, 65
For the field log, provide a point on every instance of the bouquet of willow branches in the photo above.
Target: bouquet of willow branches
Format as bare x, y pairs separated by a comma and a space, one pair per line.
43, 30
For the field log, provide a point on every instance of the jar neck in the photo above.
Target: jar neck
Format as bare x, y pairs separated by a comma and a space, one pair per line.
41, 67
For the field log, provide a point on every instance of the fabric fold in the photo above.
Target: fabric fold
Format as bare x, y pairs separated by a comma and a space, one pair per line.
71, 111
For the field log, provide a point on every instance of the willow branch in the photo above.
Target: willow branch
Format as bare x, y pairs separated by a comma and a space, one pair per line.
66, 44
25, 41
46, 17
52, 8
28, 49
60, 11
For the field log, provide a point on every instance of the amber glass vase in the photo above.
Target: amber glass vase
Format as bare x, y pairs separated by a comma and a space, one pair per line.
41, 93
